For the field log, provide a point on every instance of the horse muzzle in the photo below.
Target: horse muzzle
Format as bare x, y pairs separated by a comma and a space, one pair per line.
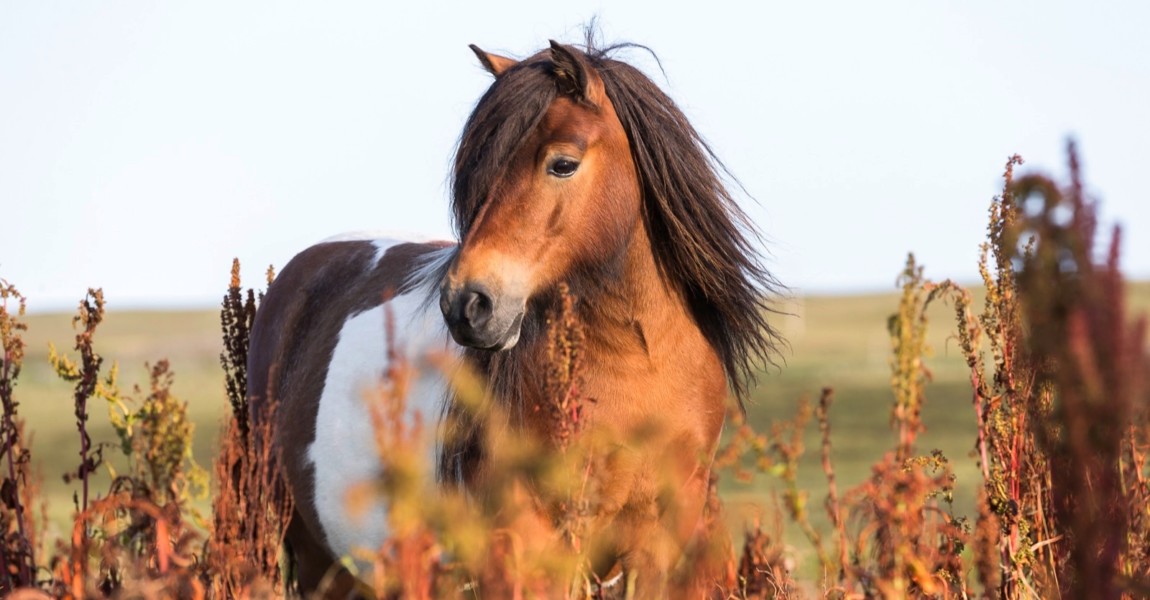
479, 318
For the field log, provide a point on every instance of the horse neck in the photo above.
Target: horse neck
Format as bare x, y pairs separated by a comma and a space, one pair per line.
640, 345
640, 315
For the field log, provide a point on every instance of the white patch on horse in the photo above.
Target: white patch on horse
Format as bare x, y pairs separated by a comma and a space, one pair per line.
343, 453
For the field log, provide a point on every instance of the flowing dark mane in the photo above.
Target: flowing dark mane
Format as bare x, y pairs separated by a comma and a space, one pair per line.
703, 242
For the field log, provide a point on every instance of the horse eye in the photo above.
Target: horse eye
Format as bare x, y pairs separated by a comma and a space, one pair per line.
563, 167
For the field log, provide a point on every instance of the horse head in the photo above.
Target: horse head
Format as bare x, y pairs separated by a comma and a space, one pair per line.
562, 198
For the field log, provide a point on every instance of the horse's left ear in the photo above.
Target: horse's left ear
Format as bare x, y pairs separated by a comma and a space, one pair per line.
575, 75
493, 63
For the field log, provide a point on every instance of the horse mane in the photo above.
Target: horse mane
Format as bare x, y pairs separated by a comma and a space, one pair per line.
704, 243
702, 239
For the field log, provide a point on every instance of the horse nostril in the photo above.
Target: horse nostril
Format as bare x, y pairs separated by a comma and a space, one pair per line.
477, 307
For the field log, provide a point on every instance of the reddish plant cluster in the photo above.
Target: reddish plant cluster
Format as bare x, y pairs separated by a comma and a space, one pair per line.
1061, 408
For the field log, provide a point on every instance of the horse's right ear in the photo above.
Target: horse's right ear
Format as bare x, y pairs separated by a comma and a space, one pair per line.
495, 64
575, 75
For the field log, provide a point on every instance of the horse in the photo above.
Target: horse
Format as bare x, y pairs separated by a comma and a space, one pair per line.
574, 172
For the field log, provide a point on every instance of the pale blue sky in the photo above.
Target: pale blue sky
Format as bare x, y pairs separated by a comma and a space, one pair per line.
144, 144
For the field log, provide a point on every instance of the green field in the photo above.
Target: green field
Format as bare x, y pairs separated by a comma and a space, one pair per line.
838, 341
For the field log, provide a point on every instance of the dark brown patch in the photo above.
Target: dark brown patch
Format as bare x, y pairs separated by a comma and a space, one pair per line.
638, 328
553, 220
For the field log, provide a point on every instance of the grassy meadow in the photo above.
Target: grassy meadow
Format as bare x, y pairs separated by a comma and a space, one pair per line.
131, 339
839, 341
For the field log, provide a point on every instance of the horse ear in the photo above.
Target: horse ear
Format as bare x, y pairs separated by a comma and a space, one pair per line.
575, 75
495, 64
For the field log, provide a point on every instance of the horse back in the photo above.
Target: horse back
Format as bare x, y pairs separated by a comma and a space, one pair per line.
320, 326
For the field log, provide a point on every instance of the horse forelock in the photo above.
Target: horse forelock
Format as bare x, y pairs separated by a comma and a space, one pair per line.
502, 119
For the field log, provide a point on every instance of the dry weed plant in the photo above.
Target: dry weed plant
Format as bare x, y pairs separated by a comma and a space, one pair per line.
86, 379
20, 535
895, 535
251, 504
1088, 362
